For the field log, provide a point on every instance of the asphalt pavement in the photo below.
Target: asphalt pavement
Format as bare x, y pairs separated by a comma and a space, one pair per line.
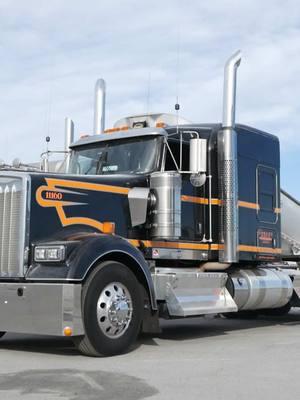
202, 358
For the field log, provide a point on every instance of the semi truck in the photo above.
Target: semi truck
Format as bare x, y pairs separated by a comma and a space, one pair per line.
154, 218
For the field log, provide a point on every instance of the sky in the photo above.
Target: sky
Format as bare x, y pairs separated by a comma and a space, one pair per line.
148, 52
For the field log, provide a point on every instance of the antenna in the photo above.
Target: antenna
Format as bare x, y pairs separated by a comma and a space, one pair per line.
45, 160
47, 143
49, 110
148, 94
45, 156
177, 105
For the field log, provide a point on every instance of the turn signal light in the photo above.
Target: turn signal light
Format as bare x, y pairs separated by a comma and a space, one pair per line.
108, 227
68, 331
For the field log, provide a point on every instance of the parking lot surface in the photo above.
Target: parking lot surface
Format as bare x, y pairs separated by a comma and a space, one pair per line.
201, 358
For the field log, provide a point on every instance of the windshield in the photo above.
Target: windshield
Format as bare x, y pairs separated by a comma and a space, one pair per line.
137, 156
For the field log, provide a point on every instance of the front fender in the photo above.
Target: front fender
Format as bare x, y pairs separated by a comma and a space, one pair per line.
90, 250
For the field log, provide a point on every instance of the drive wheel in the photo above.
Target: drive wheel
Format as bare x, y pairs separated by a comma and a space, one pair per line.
112, 308
2, 334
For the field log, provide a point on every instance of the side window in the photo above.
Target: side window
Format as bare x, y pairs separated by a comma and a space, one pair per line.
175, 148
267, 194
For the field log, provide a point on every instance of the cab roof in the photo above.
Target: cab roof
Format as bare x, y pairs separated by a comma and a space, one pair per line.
167, 132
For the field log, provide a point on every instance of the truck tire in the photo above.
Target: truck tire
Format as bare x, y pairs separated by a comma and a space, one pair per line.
2, 334
112, 310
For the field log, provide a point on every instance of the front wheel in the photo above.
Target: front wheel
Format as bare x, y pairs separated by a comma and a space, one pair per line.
112, 307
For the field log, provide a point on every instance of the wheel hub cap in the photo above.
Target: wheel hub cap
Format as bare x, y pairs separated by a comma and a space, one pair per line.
114, 310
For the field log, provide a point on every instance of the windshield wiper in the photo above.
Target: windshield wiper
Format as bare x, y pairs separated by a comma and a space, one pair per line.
102, 159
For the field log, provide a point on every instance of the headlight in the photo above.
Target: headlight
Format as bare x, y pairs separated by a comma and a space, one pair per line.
49, 253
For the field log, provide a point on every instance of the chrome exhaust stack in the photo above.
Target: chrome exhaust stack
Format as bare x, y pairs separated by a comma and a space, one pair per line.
229, 91
228, 168
99, 112
69, 138
69, 133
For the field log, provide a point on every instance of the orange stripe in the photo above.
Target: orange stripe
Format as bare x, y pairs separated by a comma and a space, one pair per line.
255, 249
200, 246
134, 242
107, 227
54, 183
200, 200
247, 204
217, 202
67, 221
176, 245
217, 246
277, 210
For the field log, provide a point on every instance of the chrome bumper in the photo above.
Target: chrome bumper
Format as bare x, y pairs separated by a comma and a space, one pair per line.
40, 308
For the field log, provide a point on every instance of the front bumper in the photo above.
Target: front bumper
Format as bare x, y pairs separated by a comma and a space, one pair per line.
41, 308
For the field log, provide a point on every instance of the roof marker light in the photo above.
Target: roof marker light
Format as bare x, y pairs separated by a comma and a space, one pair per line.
111, 130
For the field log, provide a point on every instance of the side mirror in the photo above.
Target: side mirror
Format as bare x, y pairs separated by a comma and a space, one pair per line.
198, 150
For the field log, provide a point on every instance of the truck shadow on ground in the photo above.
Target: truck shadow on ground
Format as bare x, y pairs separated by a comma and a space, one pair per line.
172, 330
197, 328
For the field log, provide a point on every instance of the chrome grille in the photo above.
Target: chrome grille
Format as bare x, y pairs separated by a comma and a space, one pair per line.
12, 225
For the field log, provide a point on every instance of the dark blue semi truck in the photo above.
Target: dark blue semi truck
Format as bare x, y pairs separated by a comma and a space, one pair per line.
155, 218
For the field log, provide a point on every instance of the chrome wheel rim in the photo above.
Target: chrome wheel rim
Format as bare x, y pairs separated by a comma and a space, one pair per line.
114, 310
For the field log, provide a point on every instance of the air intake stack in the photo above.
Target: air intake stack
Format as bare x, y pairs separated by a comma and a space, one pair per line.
69, 139
228, 168
99, 116
69, 133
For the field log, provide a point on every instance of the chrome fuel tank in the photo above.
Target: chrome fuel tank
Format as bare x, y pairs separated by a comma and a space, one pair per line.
260, 288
